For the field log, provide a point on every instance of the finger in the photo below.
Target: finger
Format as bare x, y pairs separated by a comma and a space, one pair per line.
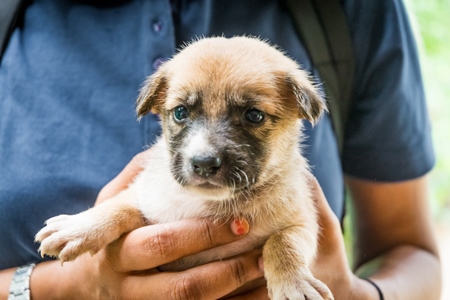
249, 287
330, 241
151, 246
125, 177
331, 247
260, 293
326, 215
210, 281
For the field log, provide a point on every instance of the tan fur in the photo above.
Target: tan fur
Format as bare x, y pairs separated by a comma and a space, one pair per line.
217, 74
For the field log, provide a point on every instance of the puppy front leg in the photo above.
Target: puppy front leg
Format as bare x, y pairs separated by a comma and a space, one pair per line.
287, 255
69, 236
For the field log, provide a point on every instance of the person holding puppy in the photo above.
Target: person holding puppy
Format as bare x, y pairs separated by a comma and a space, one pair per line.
68, 81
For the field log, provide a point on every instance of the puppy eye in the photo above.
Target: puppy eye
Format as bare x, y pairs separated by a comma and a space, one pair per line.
180, 113
254, 115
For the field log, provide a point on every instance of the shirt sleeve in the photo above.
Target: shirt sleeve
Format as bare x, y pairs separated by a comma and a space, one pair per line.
388, 136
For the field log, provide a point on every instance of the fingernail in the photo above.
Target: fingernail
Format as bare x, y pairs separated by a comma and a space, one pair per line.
261, 263
240, 226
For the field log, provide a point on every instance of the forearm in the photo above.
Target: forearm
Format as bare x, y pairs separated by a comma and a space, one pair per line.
394, 238
48, 281
5, 281
405, 272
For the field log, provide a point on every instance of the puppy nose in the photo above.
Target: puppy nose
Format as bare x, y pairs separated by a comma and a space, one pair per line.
206, 165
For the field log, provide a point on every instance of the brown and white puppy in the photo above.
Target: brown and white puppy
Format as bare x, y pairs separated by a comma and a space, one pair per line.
231, 113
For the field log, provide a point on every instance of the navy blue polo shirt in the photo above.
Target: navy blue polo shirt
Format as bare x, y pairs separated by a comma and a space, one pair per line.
70, 76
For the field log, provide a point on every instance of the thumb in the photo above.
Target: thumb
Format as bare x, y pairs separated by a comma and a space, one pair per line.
326, 214
125, 177
330, 237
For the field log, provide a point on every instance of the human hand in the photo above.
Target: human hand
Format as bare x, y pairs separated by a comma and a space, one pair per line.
127, 268
331, 264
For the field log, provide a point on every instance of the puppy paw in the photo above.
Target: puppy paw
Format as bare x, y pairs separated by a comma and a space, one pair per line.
68, 236
300, 287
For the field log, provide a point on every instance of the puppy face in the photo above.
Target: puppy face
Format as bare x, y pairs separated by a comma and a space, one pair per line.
230, 111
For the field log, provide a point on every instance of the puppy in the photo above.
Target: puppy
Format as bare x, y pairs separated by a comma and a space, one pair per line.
231, 113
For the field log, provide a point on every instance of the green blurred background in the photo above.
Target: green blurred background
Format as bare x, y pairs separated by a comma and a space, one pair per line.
431, 22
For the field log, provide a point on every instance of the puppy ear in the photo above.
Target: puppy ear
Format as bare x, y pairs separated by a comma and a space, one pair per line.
152, 94
309, 102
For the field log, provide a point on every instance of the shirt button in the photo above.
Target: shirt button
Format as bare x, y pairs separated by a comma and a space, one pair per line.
157, 63
157, 26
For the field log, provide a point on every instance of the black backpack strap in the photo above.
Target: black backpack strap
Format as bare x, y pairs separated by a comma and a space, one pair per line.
10, 10
323, 28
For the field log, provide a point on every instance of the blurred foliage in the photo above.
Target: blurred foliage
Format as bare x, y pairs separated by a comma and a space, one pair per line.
431, 21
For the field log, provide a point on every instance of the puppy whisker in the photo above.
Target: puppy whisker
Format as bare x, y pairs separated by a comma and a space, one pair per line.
246, 177
235, 146
242, 162
237, 175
